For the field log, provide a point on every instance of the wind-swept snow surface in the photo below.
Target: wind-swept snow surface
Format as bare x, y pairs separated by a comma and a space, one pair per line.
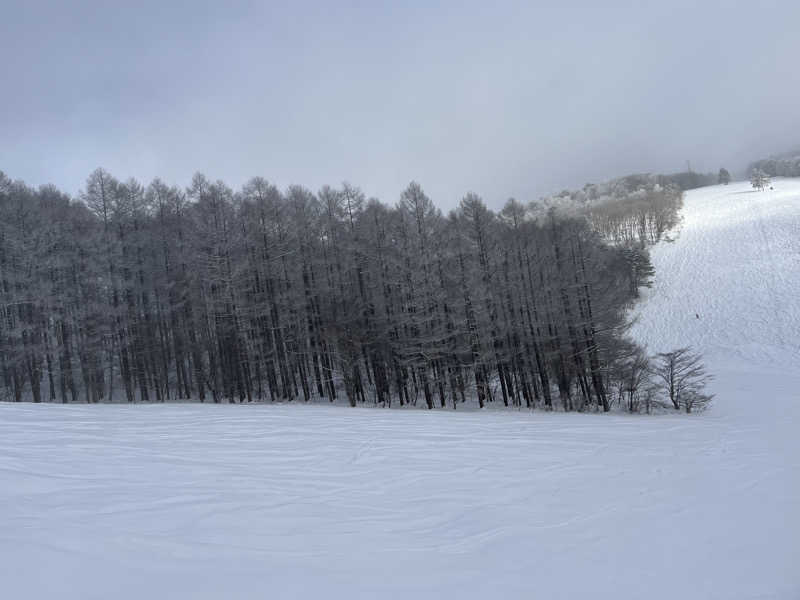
292, 501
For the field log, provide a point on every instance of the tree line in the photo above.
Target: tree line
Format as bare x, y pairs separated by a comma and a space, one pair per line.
782, 165
633, 211
156, 293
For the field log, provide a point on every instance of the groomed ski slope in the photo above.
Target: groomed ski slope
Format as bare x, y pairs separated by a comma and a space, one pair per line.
730, 284
205, 501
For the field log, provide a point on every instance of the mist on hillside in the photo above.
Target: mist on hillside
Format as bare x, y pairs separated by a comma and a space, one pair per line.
502, 99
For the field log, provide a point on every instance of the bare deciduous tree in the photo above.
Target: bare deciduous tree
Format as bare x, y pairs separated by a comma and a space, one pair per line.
154, 293
681, 375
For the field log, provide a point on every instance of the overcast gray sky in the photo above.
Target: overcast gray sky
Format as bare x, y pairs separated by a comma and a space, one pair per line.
503, 99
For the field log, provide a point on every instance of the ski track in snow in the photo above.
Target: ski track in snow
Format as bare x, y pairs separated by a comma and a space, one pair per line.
294, 501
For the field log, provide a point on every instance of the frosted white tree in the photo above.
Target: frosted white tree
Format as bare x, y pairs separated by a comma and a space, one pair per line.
759, 179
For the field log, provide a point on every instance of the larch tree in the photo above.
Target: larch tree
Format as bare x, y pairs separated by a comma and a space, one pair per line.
153, 293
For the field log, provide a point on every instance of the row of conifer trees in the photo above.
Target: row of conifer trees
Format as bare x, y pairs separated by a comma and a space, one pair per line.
156, 293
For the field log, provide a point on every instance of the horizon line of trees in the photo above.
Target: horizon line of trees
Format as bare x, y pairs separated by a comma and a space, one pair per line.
156, 293
689, 180
784, 165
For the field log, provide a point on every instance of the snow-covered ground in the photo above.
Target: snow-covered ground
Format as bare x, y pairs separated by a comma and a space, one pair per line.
204, 501
730, 284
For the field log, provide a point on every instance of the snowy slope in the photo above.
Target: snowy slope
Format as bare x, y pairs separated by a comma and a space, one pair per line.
736, 265
203, 501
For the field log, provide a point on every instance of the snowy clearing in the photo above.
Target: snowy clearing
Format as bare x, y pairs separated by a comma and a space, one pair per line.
231, 501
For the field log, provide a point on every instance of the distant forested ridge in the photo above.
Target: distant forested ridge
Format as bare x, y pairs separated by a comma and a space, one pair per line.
156, 293
689, 180
636, 210
781, 165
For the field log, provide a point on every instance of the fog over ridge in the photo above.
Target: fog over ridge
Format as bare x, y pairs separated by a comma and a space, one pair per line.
512, 99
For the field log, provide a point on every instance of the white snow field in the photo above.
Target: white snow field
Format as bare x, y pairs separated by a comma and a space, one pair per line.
293, 501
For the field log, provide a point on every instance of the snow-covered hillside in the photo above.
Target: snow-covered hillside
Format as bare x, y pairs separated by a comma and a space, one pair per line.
730, 285
292, 501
